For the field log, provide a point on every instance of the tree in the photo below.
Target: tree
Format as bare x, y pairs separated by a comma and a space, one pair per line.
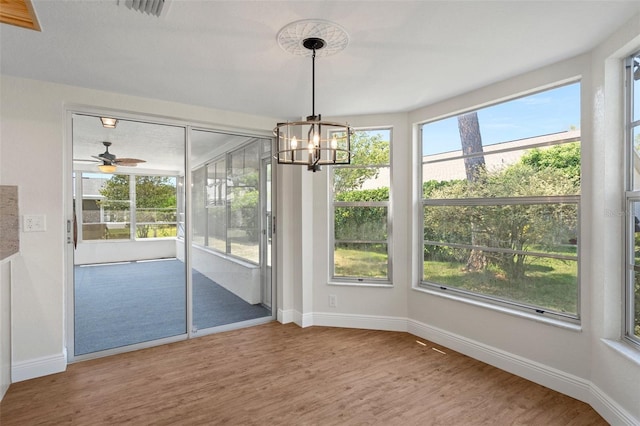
369, 151
564, 157
471, 142
155, 199
366, 150
514, 227
474, 166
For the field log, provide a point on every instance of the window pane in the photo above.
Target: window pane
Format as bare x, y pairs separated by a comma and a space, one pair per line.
198, 212
360, 223
360, 234
105, 207
243, 232
217, 227
216, 205
544, 113
542, 228
361, 260
636, 305
491, 172
370, 147
635, 173
542, 282
634, 287
156, 206
361, 184
636, 88
632, 284
517, 171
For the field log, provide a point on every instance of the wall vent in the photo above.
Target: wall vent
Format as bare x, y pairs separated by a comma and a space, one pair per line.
150, 7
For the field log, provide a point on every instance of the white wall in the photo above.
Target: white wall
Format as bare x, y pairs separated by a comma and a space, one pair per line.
34, 151
361, 303
5, 326
614, 373
240, 278
124, 251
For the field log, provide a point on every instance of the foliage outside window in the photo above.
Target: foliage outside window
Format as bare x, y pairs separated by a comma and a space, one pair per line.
632, 284
226, 200
217, 204
115, 207
500, 206
360, 210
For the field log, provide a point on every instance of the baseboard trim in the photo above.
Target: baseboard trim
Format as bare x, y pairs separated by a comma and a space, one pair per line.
610, 410
370, 322
544, 375
285, 317
38, 367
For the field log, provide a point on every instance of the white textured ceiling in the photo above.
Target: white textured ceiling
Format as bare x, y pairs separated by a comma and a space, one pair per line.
224, 54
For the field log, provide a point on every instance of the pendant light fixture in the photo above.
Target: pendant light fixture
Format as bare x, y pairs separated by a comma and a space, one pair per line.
313, 142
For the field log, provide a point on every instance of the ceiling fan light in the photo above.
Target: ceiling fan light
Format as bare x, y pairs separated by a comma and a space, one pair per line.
107, 168
109, 122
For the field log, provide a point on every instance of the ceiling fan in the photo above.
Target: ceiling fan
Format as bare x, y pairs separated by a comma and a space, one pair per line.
108, 158
109, 161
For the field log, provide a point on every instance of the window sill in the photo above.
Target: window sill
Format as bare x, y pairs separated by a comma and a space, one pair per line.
624, 349
505, 310
359, 284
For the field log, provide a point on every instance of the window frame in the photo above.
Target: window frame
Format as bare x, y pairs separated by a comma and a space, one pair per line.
362, 281
631, 196
486, 299
225, 158
133, 223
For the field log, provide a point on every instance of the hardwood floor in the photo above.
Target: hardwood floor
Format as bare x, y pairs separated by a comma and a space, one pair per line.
284, 375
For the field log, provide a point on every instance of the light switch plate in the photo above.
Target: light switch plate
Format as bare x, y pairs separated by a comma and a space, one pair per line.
34, 223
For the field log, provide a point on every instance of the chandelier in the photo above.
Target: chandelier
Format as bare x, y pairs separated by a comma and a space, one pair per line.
313, 142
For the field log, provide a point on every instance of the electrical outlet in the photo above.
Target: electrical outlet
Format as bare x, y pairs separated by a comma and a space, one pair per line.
333, 301
34, 223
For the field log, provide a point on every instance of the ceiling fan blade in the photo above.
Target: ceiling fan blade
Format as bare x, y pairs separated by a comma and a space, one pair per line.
85, 160
104, 160
128, 161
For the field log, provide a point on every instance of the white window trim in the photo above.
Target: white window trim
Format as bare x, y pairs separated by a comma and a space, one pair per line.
363, 281
519, 309
631, 196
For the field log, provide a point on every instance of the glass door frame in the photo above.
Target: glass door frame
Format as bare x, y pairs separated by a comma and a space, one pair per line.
69, 211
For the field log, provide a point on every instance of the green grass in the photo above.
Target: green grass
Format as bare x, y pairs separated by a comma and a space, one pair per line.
359, 263
548, 283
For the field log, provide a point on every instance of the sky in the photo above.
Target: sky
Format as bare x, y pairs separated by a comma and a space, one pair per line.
551, 111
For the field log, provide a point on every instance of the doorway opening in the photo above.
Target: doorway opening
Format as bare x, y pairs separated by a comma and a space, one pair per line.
171, 235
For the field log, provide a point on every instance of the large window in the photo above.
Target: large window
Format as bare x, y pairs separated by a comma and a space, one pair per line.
226, 200
632, 284
500, 205
360, 211
123, 206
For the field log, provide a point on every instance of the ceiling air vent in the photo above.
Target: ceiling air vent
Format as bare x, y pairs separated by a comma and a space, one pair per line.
151, 7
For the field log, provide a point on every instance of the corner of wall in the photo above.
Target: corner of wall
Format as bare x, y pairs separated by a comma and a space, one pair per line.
38, 367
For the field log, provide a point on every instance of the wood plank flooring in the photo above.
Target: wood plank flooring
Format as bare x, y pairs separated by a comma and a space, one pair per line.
277, 374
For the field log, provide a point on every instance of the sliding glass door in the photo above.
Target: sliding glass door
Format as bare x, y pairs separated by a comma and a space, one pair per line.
172, 233
230, 194
130, 283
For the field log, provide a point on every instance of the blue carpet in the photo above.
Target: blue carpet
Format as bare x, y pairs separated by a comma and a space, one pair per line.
133, 302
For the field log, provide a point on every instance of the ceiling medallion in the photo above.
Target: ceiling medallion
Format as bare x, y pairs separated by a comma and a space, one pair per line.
292, 36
